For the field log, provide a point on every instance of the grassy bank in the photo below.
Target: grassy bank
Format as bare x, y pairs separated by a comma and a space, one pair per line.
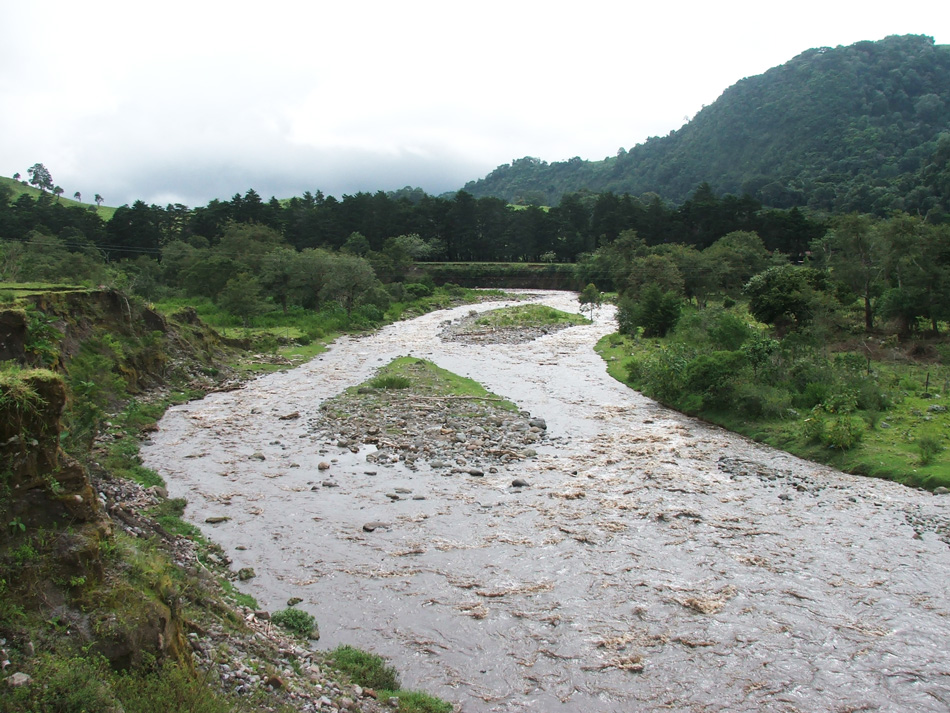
859, 406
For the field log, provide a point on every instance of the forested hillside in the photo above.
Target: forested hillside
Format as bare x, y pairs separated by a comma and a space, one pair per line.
861, 128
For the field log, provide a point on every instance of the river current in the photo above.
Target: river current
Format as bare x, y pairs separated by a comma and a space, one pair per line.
654, 563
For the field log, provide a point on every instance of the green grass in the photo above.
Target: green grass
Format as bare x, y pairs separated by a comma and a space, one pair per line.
25, 289
296, 621
17, 189
529, 315
364, 668
424, 377
372, 671
417, 702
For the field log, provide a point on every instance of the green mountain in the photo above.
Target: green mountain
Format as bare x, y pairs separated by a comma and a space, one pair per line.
864, 127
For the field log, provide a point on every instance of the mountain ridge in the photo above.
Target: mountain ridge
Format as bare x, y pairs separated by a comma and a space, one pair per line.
834, 129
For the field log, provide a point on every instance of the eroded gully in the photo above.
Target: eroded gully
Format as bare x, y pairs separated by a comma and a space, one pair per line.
655, 563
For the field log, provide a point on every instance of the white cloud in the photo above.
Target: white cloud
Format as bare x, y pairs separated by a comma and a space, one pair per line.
203, 99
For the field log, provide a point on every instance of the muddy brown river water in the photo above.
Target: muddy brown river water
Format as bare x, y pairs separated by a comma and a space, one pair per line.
654, 563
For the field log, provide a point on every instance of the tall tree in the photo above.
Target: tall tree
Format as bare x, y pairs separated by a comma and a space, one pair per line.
40, 177
855, 254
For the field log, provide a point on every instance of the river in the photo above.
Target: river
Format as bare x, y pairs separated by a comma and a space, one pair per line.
654, 563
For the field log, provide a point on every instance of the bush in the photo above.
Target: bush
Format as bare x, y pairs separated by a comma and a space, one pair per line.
634, 371
655, 311
815, 394
663, 373
712, 376
812, 429
417, 290
729, 331
365, 669
761, 401
367, 314
844, 433
871, 397
929, 446
397, 291
296, 621
390, 381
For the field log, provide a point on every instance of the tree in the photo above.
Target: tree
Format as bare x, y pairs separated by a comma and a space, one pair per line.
276, 276
241, 297
40, 177
98, 199
735, 258
348, 278
855, 253
591, 299
356, 244
784, 296
57, 191
77, 196
16, 176
654, 310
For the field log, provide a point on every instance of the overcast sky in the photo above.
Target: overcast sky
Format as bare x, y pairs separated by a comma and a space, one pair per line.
189, 101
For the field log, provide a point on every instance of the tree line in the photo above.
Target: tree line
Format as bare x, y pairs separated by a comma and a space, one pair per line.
457, 228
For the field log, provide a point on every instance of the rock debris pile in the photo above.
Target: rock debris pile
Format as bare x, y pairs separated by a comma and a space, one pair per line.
450, 434
467, 331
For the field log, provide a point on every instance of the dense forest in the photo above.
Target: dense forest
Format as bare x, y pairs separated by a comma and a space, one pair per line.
862, 128
461, 228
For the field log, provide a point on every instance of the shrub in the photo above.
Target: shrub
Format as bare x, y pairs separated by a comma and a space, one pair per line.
729, 331
712, 376
397, 291
364, 668
390, 381
417, 290
634, 371
296, 621
929, 445
871, 397
844, 432
812, 429
815, 394
761, 401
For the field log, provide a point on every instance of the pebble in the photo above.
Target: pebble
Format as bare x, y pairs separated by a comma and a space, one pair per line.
19, 680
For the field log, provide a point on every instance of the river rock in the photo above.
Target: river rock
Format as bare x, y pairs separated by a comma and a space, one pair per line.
519, 483
19, 680
941, 491
373, 526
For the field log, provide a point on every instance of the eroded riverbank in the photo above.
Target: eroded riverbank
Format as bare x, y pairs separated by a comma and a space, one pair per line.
654, 562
